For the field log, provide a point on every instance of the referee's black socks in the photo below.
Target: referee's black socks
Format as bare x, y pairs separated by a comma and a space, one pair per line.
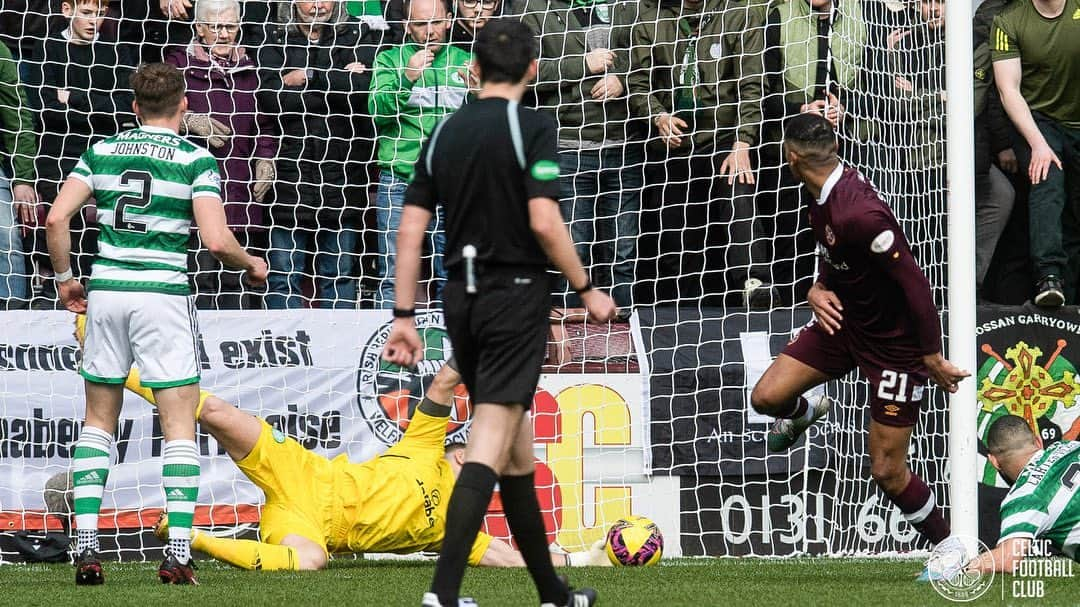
468, 505
522, 510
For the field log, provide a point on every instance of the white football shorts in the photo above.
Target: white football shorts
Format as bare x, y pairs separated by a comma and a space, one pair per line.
155, 331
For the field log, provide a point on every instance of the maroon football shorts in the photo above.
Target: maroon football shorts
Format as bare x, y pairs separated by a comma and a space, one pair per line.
897, 377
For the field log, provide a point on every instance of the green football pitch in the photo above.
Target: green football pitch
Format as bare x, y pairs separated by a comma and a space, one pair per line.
691, 582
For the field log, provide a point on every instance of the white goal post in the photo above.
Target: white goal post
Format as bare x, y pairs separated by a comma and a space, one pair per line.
963, 434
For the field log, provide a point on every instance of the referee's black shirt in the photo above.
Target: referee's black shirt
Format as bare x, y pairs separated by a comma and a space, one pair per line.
484, 163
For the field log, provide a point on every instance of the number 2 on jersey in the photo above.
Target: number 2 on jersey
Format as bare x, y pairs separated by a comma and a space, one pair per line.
1071, 476
139, 200
893, 386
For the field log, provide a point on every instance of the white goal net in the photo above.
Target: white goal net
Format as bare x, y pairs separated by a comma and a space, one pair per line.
648, 417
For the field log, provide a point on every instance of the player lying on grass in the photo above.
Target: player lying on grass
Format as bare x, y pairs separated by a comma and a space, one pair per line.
872, 310
1044, 502
395, 502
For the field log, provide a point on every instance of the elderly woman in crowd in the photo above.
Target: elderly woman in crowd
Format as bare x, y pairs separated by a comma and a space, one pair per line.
222, 114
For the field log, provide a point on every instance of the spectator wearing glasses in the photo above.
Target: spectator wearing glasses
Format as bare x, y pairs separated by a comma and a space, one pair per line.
583, 67
918, 96
160, 26
414, 86
222, 116
470, 16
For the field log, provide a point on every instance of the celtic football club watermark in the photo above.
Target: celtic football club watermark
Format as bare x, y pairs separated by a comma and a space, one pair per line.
948, 575
1035, 572
1029, 575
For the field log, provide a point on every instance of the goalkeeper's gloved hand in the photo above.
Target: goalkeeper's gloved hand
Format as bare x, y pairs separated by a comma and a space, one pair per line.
595, 556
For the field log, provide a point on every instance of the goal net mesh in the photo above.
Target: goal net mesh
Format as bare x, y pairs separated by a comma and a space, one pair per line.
664, 232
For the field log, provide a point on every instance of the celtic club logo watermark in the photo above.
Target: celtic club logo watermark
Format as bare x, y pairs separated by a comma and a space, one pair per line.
387, 394
947, 573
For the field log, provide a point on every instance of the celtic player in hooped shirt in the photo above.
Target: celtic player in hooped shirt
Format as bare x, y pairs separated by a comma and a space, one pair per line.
1044, 502
150, 184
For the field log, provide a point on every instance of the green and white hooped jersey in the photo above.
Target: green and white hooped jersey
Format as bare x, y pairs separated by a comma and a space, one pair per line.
144, 181
1045, 501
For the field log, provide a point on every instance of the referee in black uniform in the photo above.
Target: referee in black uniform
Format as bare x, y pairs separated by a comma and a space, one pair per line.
494, 165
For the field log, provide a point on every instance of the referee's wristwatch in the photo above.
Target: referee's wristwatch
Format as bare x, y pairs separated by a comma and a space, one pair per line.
403, 313
585, 289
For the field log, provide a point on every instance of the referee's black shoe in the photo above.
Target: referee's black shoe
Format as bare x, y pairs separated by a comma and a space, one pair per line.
88, 569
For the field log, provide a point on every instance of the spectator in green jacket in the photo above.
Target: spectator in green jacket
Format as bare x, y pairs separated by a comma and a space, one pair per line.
18, 146
584, 63
414, 86
800, 37
814, 53
697, 77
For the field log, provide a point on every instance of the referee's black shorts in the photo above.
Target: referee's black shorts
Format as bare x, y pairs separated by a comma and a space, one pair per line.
499, 334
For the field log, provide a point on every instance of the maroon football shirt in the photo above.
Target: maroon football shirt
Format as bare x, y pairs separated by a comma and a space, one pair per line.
866, 260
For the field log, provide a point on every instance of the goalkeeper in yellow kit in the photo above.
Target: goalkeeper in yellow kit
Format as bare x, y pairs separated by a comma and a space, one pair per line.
395, 502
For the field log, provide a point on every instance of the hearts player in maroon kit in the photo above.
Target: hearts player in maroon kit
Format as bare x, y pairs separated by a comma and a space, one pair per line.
873, 311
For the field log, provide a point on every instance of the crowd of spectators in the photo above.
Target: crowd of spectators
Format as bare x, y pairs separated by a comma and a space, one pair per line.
669, 112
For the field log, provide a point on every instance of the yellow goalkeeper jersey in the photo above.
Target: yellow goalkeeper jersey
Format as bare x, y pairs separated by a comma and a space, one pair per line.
397, 502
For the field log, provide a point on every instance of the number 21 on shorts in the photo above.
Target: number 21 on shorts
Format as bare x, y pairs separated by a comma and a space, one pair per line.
893, 386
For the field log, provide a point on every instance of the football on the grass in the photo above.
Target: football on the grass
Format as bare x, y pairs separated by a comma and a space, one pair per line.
634, 541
